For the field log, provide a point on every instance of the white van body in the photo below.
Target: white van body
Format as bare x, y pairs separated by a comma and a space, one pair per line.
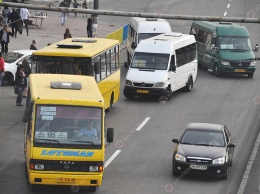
143, 28
162, 65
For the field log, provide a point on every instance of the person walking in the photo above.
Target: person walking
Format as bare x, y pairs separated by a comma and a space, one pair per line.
15, 21
75, 5
4, 37
84, 6
63, 13
20, 83
67, 33
89, 26
33, 45
24, 13
2, 68
27, 71
5, 15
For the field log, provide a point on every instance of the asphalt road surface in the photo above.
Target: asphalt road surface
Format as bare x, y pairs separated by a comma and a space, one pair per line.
144, 154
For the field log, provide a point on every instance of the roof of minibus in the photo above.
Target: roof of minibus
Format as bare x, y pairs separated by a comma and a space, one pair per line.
222, 29
89, 49
165, 43
41, 91
145, 25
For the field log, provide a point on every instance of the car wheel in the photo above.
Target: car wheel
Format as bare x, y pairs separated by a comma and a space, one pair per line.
168, 93
189, 85
129, 95
225, 176
7, 79
250, 75
216, 71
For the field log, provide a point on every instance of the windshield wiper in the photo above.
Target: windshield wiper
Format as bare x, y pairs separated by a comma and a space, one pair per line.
81, 141
238, 50
203, 144
53, 140
187, 143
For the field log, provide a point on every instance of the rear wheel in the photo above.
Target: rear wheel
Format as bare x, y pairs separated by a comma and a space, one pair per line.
7, 79
189, 85
250, 75
92, 188
111, 104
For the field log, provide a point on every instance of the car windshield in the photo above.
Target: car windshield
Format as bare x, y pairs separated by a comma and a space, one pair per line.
12, 57
143, 36
204, 138
153, 61
234, 43
66, 126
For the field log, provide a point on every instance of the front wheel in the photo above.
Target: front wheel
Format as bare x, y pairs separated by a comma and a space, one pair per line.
189, 85
225, 176
216, 71
92, 188
129, 95
250, 75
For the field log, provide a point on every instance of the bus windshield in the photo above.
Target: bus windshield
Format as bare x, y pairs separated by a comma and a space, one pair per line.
61, 126
234, 43
153, 61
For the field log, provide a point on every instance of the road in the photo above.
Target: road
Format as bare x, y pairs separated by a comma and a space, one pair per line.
144, 162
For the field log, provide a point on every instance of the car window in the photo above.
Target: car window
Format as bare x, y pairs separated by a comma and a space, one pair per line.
12, 57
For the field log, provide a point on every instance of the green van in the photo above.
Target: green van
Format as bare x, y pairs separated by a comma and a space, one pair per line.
224, 48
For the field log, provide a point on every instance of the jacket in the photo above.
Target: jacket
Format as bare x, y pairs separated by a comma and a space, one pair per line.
20, 79
33, 47
8, 34
14, 17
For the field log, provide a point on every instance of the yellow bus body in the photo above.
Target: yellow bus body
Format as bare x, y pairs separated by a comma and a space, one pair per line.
40, 93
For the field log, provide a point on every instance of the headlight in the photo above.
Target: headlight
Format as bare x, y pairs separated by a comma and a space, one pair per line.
180, 158
159, 84
226, 63
128, 82
39, 166
252, 64
219, 161
93, 168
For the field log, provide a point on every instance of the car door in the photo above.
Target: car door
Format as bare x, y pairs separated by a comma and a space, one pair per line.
230, 151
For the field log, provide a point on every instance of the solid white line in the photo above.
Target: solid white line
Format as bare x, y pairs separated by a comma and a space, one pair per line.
228, 5
249, 166
143, 123
112, 158
225, 13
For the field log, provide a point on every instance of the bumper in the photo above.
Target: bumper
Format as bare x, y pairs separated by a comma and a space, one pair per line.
237, 70
144, 91
212, 170
65, 179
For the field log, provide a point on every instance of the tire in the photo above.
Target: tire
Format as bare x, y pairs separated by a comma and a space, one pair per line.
34, 188
129, 95
250, 75
216, 72
168, 93
189, 85
7, 80
111, 104
225, 176
92, 188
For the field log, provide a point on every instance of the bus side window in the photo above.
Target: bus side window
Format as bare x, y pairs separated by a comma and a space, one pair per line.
97, 69
108, 57
113, 60
193, 31
201, 36
103, 66
179, 57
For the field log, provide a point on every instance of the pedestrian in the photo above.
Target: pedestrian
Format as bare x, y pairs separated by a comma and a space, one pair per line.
89, 26
63, 13
27, 71
67, 33
75, 5
24, 13
85, 6
2, 68
15, 21
4, 37
33, 45
20, 83
5, 15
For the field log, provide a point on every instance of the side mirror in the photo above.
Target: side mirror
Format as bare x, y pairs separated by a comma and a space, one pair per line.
96, 67
231, 145
126, 64
28, 113
256, 48
175, 141
110, 135
19, 63
133, 45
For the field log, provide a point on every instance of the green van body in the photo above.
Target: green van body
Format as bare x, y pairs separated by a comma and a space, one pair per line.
224, 48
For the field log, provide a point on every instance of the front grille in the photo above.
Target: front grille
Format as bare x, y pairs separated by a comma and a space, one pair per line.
239, 64
68, 166
201, 161
143, 85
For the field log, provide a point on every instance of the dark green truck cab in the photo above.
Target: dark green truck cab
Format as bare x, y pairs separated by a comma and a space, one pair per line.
224, 48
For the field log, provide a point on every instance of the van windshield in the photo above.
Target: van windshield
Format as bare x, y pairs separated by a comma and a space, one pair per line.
234, 43
143, 36
155, 61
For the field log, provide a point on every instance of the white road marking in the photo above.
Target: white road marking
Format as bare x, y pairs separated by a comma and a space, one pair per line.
249, 166
228, 5
143, 123
112, 158
225, 13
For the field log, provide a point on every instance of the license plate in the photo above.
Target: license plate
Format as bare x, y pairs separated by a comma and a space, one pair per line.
198, 167
240, 70
143, 91
66, 180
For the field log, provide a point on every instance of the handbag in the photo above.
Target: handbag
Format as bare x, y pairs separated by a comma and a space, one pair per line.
16, 90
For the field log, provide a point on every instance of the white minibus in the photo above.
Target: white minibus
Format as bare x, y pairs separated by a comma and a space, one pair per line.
162, 65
